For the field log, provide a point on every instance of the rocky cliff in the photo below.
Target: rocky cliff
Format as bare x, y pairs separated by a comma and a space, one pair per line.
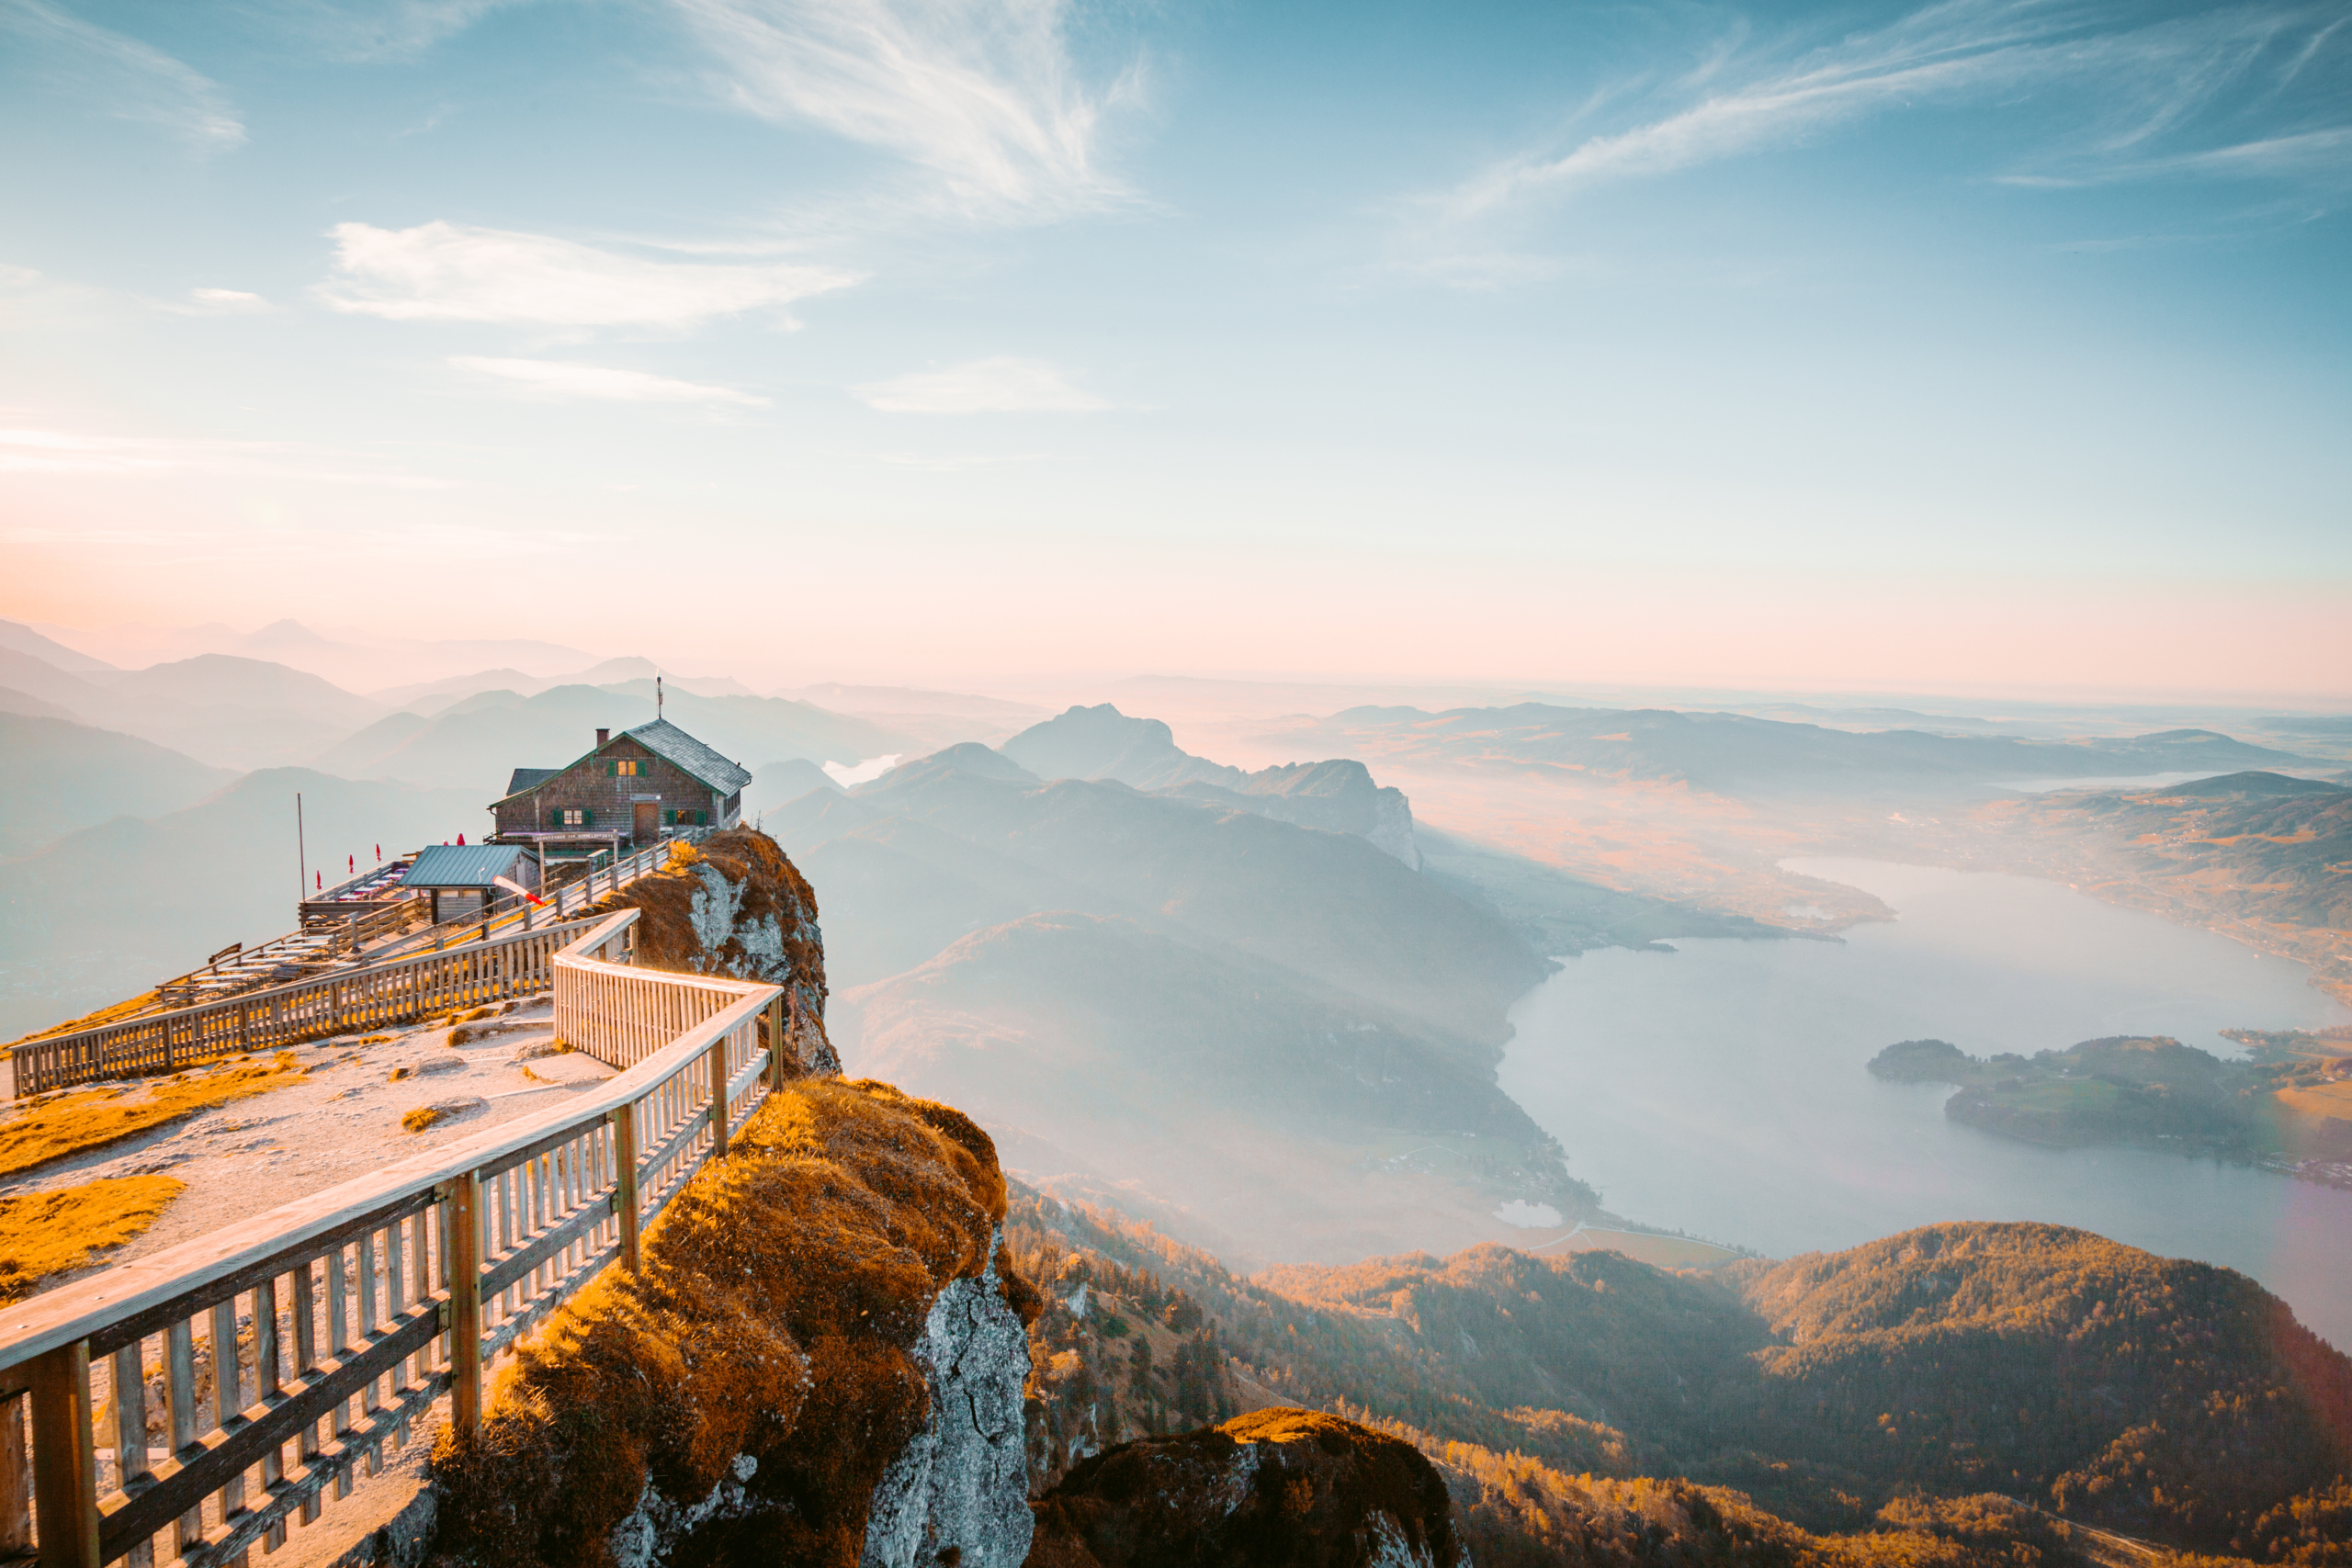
736, 905
822, 1360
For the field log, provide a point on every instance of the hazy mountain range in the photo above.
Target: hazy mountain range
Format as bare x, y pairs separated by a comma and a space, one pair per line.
1101, 742
1737, 755
106, 911
1090, 891
1279, 1036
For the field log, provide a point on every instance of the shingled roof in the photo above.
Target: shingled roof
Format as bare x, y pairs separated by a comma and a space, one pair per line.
529, 778
666, 740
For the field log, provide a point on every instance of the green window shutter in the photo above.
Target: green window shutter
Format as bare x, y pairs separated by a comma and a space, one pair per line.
587, 818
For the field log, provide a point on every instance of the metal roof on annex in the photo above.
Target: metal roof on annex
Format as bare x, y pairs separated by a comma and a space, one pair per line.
462, 865
529, 778
666, 740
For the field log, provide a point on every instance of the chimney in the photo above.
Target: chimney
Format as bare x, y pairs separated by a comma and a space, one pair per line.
602, 735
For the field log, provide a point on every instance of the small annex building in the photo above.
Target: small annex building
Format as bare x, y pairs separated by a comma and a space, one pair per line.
645, 784
462, 880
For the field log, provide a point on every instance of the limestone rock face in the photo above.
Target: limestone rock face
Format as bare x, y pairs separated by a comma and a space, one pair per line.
1276, 1488
959, 1491
736, 905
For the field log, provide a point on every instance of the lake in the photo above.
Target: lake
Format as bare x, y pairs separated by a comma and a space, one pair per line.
1719, 1089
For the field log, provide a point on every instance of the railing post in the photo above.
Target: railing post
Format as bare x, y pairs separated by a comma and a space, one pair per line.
16, 1482
625, 1210
777, 1018
179, 1398
718, 1095
465, 1304
65, 1468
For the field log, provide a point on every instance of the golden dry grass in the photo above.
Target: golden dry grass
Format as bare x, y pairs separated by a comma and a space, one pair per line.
76, 1123
2331, 1100
422, 1118
781, 1294
50, 1233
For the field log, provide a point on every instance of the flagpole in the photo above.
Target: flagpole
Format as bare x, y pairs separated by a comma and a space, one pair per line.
301, 858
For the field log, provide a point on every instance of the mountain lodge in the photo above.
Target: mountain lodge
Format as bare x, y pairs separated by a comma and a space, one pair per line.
644, 783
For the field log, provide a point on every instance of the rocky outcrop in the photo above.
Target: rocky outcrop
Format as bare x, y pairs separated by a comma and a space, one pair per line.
822, 1362
1279, 1488
734, 903
958, 1492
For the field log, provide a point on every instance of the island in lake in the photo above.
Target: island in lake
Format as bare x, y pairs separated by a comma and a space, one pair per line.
2286, 1105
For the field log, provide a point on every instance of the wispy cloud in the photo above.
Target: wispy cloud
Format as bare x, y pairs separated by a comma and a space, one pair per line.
121, 76
446, 272
1002, 385
219, 302
2140, 83
35, 450
981, 93
380, 29
566, 381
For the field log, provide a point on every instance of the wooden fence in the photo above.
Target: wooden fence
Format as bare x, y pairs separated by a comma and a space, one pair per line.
399, 990
284, 1354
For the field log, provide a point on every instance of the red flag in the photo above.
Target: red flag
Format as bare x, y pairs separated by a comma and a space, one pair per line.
321, 877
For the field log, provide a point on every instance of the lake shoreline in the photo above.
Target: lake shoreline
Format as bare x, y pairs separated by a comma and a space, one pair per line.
1718, 1089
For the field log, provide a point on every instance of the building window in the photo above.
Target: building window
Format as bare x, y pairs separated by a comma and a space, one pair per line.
575, 816
684, 818
621, 768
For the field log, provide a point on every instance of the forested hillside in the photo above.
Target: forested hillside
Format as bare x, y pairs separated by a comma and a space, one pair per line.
1891, 1387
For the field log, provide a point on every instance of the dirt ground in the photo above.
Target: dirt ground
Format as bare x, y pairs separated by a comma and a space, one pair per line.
341, 1121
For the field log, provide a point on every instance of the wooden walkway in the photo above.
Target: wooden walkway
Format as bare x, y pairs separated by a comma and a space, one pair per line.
285, 1353
507, 955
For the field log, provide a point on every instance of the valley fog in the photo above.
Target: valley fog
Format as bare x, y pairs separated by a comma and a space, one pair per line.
1721, 1088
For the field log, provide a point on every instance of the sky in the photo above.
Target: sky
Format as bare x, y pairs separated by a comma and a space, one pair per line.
1967, 345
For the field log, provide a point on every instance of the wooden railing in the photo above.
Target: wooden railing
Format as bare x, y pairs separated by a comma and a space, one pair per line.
316, 945
394, 991
287, 1352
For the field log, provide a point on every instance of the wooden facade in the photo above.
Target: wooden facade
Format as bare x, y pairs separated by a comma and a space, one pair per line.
640, 785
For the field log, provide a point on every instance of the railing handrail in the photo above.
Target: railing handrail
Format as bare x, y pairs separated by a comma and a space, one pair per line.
75, 1311
493, 1231
163, 1017
290, 989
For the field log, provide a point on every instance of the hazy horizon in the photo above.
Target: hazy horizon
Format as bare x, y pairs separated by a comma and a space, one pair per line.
130, 646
